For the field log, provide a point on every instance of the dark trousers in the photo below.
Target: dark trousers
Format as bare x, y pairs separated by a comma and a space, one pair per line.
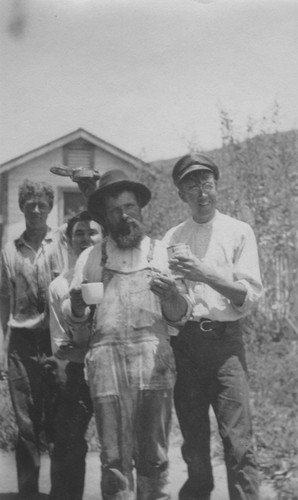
28, 384
133, 430
211, 370
71, 416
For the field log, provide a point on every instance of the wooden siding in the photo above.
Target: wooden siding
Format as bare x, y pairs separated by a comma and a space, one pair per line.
79, 153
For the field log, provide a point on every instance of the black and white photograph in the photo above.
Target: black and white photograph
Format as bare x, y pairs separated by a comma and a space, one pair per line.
148, 250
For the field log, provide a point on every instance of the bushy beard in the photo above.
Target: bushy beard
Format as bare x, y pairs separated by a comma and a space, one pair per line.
128, 233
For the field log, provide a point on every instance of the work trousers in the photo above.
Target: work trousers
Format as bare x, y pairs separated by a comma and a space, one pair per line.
30, 390
133, 430
211, 370
72, 414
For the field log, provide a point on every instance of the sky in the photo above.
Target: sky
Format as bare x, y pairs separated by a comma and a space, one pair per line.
148, 76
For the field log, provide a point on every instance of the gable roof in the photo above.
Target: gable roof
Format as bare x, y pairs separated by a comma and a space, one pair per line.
62, 141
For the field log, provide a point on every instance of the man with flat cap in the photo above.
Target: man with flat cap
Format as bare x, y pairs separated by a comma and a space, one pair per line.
222, 271
130, 364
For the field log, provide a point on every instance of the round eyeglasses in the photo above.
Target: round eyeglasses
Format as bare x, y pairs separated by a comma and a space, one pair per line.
205, 187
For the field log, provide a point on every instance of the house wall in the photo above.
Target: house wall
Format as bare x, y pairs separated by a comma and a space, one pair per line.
39, 170
104, 161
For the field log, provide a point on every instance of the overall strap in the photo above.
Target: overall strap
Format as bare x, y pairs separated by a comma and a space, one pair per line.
104, 255
151, 250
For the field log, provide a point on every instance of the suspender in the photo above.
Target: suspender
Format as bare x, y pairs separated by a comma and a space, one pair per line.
151, 250
104, 255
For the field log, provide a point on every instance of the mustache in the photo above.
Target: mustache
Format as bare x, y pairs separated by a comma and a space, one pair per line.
126, 225
128, 233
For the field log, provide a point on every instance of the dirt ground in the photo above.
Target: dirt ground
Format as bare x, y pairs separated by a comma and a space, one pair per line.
8, 483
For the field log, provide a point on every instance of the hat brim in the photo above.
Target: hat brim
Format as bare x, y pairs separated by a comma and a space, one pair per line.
195, 168
95, 202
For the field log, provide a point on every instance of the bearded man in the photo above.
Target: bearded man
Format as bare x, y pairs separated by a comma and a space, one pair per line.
130, 365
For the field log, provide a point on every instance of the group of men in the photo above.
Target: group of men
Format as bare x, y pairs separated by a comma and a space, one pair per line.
163, 328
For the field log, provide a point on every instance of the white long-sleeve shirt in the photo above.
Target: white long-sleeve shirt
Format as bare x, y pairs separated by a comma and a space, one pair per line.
229, 247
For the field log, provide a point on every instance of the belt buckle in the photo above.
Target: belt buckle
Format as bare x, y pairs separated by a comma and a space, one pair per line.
204, 322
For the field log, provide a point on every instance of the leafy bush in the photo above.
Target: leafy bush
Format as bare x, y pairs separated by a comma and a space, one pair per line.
274, 388
7, 421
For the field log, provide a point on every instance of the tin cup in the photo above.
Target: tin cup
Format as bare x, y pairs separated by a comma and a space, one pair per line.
178, 250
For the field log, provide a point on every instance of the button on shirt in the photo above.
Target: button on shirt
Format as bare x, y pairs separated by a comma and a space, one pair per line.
229, 247
25, 278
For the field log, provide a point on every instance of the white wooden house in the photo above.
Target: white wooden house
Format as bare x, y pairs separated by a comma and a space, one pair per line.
79, 148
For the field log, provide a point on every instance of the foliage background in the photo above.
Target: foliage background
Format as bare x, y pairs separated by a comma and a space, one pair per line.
259, 184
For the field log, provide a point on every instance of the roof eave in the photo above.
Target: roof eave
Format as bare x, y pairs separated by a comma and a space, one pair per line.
62, 141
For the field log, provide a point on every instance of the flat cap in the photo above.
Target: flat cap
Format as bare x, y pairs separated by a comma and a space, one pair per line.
192, 163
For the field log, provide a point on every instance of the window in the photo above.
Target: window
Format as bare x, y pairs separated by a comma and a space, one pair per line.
79, 153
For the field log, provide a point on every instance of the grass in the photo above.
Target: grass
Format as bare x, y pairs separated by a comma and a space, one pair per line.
274, 388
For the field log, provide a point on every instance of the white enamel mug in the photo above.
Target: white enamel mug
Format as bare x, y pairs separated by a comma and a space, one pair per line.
92, 292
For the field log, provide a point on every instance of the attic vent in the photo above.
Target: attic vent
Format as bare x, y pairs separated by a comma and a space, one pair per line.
79, 153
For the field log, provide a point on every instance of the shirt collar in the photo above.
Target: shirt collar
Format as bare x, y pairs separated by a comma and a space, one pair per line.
210, 222
22, 242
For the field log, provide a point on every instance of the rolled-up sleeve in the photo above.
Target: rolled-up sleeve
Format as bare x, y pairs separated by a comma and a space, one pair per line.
58, 327
247, 270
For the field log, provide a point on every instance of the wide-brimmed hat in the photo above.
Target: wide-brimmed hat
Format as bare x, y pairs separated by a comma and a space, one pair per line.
193, 163
111, 180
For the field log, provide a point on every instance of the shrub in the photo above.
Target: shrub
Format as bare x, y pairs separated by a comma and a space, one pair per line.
7, 421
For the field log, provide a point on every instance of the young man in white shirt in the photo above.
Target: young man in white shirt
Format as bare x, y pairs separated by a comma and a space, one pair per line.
222, 270
27, 266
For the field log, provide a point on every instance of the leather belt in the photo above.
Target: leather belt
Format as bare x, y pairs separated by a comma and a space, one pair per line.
207, 326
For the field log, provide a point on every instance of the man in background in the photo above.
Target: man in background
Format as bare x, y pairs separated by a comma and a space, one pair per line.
72, 408
87, 180
27, 266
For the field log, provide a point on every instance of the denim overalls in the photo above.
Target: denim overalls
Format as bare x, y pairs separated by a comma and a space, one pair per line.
131, 373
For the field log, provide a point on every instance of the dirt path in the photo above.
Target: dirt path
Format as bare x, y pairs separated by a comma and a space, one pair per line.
92, 491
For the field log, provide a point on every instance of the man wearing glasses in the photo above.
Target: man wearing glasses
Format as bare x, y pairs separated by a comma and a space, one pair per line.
222, 270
